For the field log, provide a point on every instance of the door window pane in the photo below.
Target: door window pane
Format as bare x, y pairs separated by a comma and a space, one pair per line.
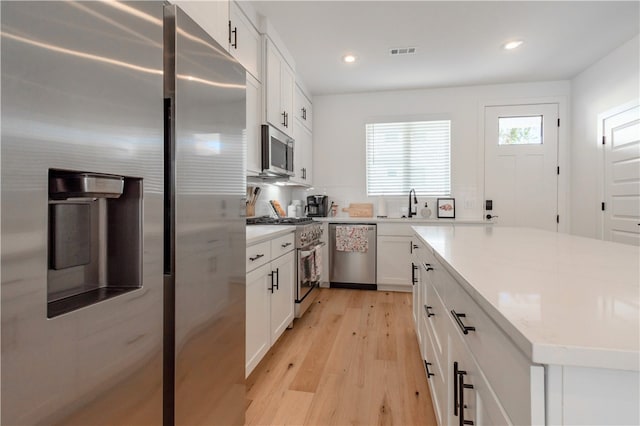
520, 130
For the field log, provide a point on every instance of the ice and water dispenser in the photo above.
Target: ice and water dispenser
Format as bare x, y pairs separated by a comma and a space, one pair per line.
95, 238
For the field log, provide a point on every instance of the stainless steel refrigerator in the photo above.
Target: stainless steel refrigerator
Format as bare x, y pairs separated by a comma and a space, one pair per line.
122, 228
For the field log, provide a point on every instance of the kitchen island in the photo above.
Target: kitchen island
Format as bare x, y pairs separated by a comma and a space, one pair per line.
563, 310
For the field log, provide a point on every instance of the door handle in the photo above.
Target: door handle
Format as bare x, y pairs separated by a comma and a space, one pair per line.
272, 286
489, 216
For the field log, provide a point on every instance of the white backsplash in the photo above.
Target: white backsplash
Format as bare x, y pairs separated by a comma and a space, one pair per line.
271, 192
396, 206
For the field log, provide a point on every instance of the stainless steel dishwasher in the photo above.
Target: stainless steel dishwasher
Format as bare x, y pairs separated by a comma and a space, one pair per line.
352, 255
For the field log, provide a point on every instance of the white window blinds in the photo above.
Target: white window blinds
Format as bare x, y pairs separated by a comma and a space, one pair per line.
402, 156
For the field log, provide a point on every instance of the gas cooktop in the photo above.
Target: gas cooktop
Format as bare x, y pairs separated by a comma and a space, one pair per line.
267, 220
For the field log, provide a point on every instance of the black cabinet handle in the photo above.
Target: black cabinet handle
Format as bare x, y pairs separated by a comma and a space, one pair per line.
277, 285
426, 367
429, 314
455, 387
284, 118
415, 246
461, 387
272, 285
414, 280
235, 37
285, 245
256, 257
465, 328
304, 113
427, 267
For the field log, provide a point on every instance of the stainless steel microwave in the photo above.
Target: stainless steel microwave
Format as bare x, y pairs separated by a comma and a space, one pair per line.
277, 152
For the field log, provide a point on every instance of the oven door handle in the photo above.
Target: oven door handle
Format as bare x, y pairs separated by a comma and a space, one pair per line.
305, 253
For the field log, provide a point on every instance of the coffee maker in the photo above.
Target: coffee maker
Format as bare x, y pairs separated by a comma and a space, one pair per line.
317, 206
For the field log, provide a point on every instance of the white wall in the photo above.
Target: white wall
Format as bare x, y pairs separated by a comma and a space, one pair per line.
610, 82
339, 137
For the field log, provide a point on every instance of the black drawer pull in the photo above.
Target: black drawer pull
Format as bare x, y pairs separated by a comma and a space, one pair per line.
426, 367
465, 328
456, 372
461, 387
429, 313
277, 285
285, 245
414, 279
427, 267
272, 285
256, 257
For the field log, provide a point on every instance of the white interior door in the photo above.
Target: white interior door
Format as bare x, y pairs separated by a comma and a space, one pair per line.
622, 177
521, 165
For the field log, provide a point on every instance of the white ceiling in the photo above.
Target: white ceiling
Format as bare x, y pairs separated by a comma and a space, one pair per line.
458, 43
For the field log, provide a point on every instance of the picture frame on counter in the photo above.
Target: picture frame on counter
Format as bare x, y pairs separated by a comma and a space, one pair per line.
446, 208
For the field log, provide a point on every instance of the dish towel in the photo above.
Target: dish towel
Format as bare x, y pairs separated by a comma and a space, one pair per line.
317, 260
352, 238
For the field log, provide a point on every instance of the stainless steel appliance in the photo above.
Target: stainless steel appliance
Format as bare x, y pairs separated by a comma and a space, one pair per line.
277, 152
353, 267
123, 238
308, 246
317, 206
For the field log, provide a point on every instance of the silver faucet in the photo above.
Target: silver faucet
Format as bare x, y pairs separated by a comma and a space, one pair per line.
415, 202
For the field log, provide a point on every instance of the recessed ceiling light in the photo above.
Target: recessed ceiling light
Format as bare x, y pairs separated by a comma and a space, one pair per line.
512, 45
349, 59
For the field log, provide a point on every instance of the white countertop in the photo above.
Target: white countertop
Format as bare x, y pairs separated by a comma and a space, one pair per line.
563, 299
412, 221
259, 233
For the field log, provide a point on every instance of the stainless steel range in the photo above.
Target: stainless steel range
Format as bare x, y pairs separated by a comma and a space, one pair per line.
308, 245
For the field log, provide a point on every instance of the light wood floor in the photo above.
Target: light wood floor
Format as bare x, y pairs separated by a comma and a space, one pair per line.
352, 359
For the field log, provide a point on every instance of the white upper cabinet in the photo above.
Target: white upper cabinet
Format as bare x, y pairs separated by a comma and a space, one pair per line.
303, 108
212, 16
254, 121
302, 160
244, 41
279, 89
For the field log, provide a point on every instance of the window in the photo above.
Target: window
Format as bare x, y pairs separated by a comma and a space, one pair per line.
520, 130
402, 156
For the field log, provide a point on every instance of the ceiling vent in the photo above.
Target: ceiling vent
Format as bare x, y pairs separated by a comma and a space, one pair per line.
394, 51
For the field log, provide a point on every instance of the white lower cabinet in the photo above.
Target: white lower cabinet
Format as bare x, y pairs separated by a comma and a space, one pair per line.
281, 294
478, 377
394, 262
269, 296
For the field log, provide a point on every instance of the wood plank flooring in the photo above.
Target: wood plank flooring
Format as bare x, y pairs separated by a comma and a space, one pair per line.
352, 359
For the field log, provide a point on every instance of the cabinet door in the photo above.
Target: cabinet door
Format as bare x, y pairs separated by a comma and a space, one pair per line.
287, 82
303, 108
212, 16
307, 156
273, 87
461, 371
302, 154
244, 43
253, 135
257, 306
394, 262
282, 296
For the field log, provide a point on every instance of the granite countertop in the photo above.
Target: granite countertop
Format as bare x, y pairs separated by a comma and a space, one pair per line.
563, 299
259, 233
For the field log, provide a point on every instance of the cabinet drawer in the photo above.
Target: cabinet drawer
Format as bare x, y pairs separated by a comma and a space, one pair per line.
258, 255
515, 393
397, 229
438, 380
436, 316
282, 245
